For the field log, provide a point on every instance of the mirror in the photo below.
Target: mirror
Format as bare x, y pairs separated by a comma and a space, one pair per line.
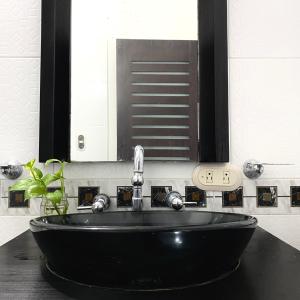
138, 75
156, 102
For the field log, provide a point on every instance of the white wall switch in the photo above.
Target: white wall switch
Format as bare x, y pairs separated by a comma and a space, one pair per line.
217, 177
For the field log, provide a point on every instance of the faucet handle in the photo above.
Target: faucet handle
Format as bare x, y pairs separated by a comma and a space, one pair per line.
190, 203
12, 170
174, 200
101, 202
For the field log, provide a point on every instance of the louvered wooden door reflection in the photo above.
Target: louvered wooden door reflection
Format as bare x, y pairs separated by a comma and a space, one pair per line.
157, 99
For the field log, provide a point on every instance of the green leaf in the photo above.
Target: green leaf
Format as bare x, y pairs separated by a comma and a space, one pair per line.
59, 173
37, 172
30, 164
36, 189
55, 197
21, 185
49, 178
53, 160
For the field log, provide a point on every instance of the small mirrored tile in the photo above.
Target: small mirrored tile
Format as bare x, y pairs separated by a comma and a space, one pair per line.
266, 196
124, 196
233, 198
193, 194
17, 199
158, 195
295, 196
86, 195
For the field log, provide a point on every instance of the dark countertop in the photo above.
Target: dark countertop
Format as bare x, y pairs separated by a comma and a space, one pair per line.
270, 270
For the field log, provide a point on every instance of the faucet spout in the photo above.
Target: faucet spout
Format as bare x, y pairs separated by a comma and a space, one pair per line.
138, 178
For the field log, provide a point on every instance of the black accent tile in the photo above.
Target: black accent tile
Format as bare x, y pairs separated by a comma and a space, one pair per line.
233, 198
52, 189
158, 195
86, 195
193, 194
266, 196
17, 199
124, 196
295, 196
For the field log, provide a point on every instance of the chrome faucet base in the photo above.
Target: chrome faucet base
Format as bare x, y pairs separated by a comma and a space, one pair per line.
137, 179
137, 198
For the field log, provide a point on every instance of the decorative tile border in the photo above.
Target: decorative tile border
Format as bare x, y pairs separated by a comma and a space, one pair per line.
158, 195
124, 196
287, 190
233, 198
16, 199
86, 195
295, 196
193, 194
267, 196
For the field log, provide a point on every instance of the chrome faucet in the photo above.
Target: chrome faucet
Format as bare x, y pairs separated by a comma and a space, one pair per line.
137, 179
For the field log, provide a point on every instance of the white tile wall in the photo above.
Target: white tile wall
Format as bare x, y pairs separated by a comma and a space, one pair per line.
263, 112
20, 28
19, 79
11, 227
264, 28
284, 227
264, 51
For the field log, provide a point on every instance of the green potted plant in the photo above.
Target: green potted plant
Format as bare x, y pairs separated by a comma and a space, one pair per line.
37, 186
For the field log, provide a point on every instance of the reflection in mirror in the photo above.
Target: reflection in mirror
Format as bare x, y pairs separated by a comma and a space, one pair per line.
134, 79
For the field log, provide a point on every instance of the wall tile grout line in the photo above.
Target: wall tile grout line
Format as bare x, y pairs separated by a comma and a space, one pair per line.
267, 57
20, 56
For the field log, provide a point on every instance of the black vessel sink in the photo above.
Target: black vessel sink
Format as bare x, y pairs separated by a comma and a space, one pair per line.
143, 250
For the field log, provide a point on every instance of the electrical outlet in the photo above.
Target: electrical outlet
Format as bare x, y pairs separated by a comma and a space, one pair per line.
217, 177
209, 176
226, 177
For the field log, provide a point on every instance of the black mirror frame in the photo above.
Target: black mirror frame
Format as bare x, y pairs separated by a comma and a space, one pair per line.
55, 96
